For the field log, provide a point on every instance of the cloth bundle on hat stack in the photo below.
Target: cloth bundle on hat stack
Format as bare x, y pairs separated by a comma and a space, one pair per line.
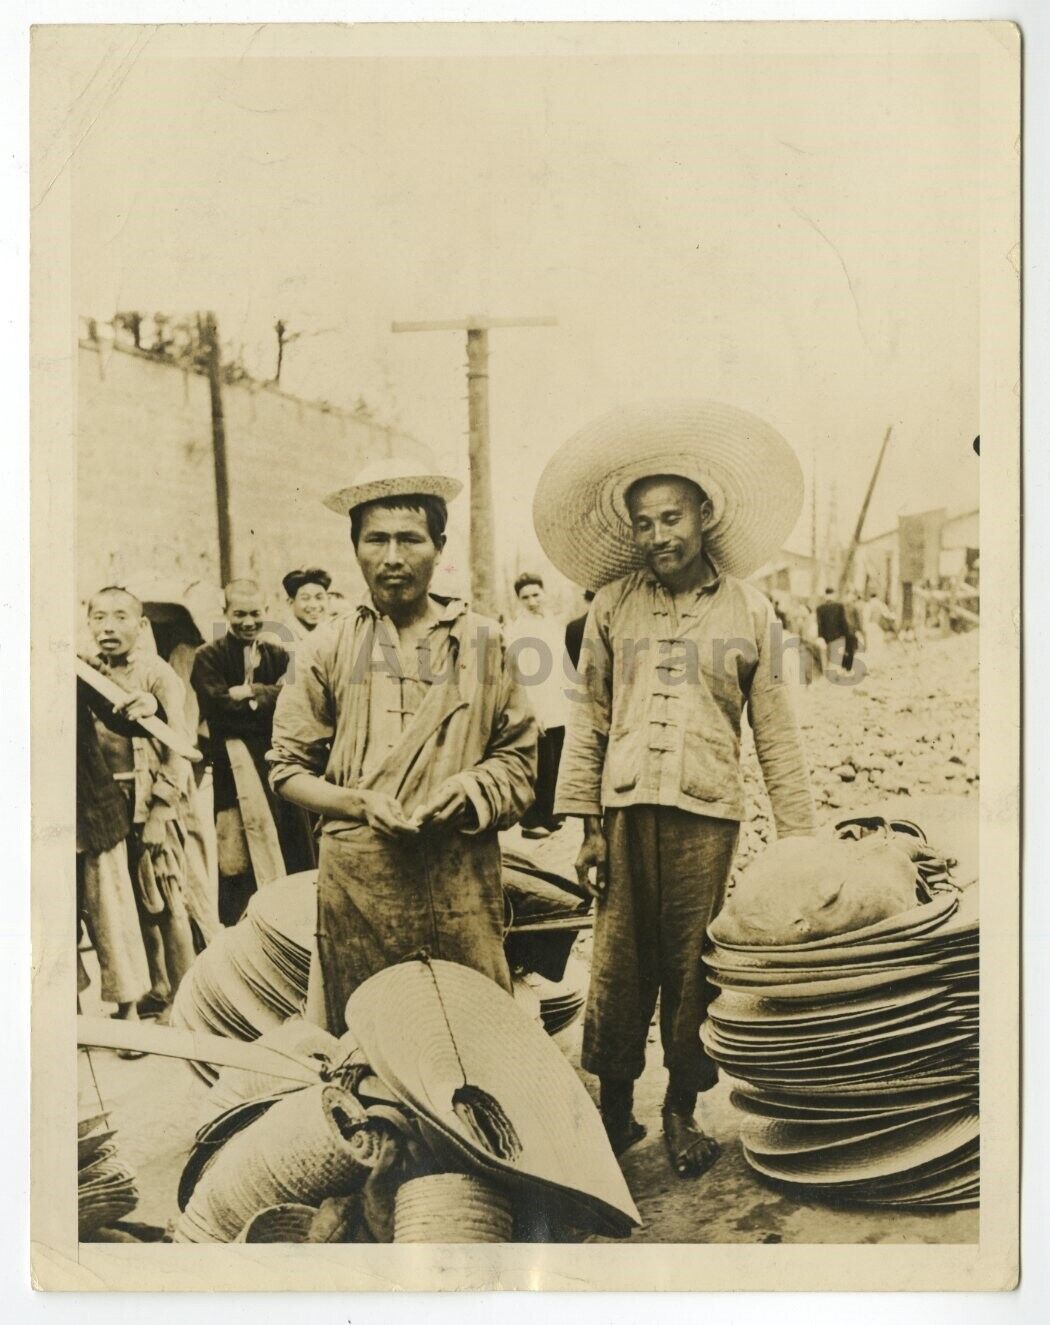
847, 1018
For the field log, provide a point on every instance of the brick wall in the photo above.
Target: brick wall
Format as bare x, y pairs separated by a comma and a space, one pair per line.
146, 485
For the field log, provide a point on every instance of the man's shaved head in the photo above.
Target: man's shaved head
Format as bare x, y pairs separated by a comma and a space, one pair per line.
244, 609
113, 591
241, 589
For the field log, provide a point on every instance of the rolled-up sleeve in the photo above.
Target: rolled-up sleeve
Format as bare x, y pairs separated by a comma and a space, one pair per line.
778, 742
579, 790
303, 722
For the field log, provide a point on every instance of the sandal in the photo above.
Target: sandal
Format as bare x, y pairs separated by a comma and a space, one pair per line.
690, 1151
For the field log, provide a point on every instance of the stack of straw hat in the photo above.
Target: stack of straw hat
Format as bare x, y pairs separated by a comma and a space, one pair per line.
305, 1147
560, 1001
254, 976
854, 1056
452, 1207
106, 1188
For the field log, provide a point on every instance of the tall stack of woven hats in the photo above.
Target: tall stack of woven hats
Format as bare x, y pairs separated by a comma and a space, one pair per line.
847, 1017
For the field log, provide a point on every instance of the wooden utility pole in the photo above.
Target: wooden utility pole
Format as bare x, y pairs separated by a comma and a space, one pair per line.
847, 565
482, 521
814, 575
209, 338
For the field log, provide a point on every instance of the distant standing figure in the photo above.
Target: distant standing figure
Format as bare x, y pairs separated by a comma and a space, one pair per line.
833, 629
236, 679
574, 631
854, 626
536, 643
876, 613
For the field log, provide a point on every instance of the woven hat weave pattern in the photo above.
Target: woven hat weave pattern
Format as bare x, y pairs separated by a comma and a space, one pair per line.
391, 477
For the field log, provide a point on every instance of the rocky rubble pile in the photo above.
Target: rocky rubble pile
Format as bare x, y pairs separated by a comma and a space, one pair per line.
907, 727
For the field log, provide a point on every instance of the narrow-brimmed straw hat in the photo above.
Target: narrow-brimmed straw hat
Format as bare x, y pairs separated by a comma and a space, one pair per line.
391, 477
749, 472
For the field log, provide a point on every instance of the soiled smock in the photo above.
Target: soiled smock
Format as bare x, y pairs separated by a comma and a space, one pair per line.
363, 714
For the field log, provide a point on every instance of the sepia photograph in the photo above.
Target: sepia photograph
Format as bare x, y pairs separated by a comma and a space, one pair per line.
511, 504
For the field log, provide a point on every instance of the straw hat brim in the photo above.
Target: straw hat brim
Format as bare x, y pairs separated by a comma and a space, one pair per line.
750, 473
429, 485
908, 1146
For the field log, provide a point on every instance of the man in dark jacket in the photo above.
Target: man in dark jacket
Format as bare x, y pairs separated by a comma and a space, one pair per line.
833, 627
237, 679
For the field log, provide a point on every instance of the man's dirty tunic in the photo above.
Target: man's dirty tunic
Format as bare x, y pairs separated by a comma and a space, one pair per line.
363, 715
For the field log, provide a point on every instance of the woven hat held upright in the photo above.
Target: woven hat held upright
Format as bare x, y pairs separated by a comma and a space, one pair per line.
750, 473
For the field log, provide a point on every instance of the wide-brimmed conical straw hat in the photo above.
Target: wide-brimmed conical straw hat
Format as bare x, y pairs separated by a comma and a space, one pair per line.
748, 470
459, 1051
391, 477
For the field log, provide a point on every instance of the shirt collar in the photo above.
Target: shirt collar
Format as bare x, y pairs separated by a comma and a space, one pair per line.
449, 609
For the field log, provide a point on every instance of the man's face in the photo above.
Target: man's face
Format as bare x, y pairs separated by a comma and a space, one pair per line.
667, 524
244, 614
115, 623
310, 605
531, 597
397, 556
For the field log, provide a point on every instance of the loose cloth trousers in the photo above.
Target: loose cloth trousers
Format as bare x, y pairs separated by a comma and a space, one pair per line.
666, 878
540, 813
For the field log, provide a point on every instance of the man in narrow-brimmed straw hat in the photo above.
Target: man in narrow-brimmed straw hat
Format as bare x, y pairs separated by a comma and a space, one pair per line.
407, 733
661, 509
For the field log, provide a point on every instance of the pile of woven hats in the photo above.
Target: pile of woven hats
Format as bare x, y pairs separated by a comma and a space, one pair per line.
254, 975
445, 1114
106, 1189
847, 1017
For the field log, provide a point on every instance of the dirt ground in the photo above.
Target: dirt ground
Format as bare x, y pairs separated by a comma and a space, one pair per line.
907, 727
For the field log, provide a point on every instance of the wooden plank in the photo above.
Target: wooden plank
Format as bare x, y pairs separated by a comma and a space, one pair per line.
194, 1046
156, 727
264, 846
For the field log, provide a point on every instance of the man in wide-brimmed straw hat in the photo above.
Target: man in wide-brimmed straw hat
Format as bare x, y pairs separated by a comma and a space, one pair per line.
407, 733
661, 509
